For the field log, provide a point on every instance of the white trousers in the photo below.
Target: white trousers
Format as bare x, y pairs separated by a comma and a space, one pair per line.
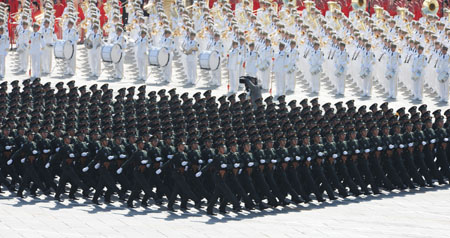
367, 85
290, 81
142, 64
191, 69
118, 67
265, 79
280, 81
36, 65
443, 91
2, 65
392, 87
340, 84
216, 77
418, 88
315, 83
95, 61
72, 63
167, 71
24, 58
46, 60
234, 80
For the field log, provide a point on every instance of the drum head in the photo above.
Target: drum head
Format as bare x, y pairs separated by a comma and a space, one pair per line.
163, 57
68, 50
116, 53
153, 57
214, 60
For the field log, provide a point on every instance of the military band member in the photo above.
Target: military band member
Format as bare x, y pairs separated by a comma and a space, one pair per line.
266, 54
393, 65
251, 61
280, 65
443, 74
4, 46
341, 61
315, 67
120, 40
366, 73
216, 74
23, 47
36, 47
71, 35
168, 43
142, 44
94, 54
420, 61
47, 53
233, 68
292, 66
191, 47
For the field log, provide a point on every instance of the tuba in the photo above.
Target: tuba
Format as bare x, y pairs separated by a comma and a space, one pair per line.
430, 7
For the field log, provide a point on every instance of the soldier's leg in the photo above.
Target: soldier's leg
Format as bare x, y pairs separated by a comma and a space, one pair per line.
334, 180
429, 161
261, 183
412, 170
238, 190
269, 177
363, 166
25, 182
423, 169
309, 180
392, 173
379, 174
321, 179
400, 166
290, 189
345, 176
442, 161
247, 184
354, 173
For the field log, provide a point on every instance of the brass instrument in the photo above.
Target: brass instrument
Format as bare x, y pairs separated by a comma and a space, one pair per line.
430, 7
378, 11
359, 5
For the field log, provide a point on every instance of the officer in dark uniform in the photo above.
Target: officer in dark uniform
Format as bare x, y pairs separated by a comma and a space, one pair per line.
7, 148
362, 150
441, 147
318, 155
331, 155
341, 163
352, 151
375, 157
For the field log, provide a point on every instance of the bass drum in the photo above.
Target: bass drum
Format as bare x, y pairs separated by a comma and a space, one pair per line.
158, 57
112, 53
63, 50
209, 60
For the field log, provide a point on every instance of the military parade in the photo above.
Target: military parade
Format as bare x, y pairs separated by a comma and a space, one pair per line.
180, 150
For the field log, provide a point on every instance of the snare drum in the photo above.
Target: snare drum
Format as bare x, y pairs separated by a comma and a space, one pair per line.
63, 50
209, 60
112, 53
158, 57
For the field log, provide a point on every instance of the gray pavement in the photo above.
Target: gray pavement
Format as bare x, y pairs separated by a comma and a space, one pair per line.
417, 213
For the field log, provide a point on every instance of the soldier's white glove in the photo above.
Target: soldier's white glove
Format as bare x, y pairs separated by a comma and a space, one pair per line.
391, 147
379, 148
287, 159
97, 166
144, 161
198, 174
122, 156
111, 157
367, 150
262, 161
148, 166
335, 156
297, 158
184, 163
411, 144
445, 139
432, 141
320, 154
71, 155
85, 169
119, 171
35, 152
22, 160
46, 151
274, 161
210, 160
236, 165
250, 164
170, 156
158, 171
158, 159
47, 165
223, 166
84, 154
200, 161
345, 153
357, 151
9, 162
8, 147
309, 159
57, 149
401, 146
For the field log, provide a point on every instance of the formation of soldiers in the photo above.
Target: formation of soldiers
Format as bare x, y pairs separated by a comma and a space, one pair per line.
280, 45
203, 148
